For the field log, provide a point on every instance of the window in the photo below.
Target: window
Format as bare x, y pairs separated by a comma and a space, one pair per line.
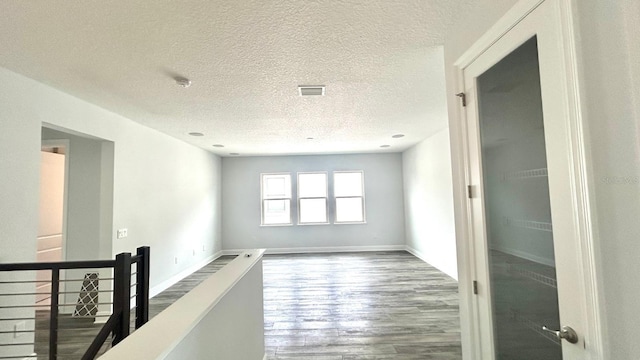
348, 189
312, 198
276, 199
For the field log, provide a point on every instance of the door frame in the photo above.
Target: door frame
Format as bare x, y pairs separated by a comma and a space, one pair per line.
579, 177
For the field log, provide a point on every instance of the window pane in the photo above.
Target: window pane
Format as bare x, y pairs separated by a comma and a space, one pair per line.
277, 211
349, 210
313, 211
276, 186
312, 185
348, 184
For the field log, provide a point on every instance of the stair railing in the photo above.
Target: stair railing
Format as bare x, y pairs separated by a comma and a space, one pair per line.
118, 324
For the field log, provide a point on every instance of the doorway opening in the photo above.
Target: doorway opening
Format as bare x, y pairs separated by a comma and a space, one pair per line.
83, 208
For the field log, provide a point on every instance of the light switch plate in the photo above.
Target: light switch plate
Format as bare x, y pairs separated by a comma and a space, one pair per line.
122, 233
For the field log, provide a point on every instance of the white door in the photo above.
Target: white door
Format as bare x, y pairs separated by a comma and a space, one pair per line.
522, 207
50, 226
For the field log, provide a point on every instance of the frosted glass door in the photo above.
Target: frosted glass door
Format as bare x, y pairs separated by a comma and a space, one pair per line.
517, 209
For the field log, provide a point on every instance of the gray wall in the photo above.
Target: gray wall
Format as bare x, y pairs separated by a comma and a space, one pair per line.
166, 192
428, 202
383, 200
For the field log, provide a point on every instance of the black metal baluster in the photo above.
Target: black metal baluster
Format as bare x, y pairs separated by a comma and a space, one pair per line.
142, 287
53, 321
122, 295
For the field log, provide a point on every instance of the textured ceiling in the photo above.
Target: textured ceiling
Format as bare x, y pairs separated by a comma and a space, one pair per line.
381, 62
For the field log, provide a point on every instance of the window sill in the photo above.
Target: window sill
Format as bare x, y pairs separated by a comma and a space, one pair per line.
307, 224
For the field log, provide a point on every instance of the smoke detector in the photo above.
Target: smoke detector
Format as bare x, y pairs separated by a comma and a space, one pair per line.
311, 90
182, 81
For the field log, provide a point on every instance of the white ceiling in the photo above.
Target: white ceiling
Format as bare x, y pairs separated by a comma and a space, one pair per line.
381, 62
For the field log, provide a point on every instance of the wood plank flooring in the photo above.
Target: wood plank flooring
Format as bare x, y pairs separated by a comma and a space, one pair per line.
347, 306
375, 305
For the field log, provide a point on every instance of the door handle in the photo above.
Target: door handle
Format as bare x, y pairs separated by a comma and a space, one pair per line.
566, 333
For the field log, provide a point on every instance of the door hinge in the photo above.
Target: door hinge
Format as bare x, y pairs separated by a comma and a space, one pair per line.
470, 191
475, 287
462, 96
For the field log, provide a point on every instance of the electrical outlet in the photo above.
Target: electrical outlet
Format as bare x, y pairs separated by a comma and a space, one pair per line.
194, 252
203, 247
122, 233
20, 326
175, 260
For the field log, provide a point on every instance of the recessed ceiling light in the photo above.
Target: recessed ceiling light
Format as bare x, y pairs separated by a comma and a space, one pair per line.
182, 81
385, 146
218, 145
196, 134
234, 154
397, 136
309, 138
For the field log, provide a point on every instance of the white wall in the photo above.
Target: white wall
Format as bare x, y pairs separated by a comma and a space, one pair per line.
428, 202
233, 329
222, 319
610, 54
166, 192
609, 77
19, 191
383, 200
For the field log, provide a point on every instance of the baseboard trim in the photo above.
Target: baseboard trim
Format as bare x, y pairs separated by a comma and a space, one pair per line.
423, 257
416, 253
183, 274
232, 252
323, 249
102, 317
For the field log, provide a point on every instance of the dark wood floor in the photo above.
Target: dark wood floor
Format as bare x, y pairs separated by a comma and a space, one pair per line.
379, 305
347, 306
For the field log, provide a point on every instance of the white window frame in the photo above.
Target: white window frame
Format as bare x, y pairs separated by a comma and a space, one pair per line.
326, 198
335, 199
263, 199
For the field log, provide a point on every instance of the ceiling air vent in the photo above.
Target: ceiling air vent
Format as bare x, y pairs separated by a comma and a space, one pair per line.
311, 90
